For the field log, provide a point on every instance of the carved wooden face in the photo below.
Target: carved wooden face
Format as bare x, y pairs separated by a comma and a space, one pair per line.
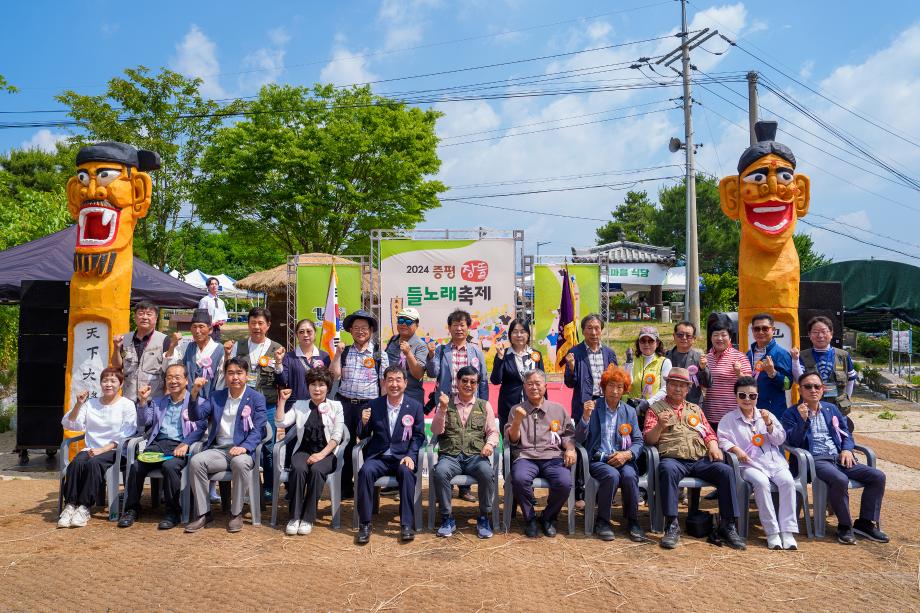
107, 199
767, 197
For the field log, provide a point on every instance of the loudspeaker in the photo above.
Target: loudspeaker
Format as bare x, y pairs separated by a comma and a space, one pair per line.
45, 293
43, 319
39, 427
43, 348
40, 384
820, 298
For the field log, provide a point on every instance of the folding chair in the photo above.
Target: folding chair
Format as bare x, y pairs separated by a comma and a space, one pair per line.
539, 482
113, 476
254, 486
462, 480
357, 458
692, 484
156, 479
591, 486
820, 490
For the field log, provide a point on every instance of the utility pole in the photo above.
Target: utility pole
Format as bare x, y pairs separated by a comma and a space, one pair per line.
692, 296
752, 104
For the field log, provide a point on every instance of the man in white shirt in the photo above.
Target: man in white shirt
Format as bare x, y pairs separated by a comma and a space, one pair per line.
215, 308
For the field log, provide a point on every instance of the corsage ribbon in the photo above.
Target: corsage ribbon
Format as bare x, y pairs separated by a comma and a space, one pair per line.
407, 422
246, 415
649, 381
206, 371
836, 423
693, 369
625, 440
554, 427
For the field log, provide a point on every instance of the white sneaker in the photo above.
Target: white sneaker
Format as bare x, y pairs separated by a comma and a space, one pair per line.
774, 541
80, 517
305, 528
292, 527
789, 541
66, 516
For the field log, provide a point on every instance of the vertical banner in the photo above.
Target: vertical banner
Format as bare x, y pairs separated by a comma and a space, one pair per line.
547, 287
437, 277
313, 289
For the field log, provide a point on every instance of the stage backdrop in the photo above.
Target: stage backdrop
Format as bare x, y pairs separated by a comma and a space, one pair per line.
547, 293
313, 287
437, 277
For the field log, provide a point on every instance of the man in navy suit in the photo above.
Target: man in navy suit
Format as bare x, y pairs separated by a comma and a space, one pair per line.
235, 419
395, 425
167, 428
821, 428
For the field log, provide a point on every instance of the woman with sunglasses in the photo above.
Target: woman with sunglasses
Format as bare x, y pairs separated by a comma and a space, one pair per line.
295, 365
755, 437
509, 366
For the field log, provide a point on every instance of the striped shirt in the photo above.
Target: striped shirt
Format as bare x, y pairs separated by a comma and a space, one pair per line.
596, 361
821, 442
359, 373
459, 357
720, 396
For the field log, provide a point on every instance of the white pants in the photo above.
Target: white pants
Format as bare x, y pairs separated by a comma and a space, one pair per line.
788, 522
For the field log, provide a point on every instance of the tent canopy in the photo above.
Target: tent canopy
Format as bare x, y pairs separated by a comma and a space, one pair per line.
227, 285
51, 259
874, 292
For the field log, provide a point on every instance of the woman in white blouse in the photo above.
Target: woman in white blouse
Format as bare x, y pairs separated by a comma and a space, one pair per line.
107, 421
319, 423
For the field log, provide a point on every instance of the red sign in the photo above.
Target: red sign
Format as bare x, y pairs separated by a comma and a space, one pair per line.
474, 270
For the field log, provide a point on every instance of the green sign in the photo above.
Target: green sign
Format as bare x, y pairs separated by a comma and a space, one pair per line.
548, 292
313, 287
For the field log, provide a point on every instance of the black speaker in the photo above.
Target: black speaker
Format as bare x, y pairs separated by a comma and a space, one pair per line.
45, 293
40, 384
43, 320
820, 298
39, 427
43, 348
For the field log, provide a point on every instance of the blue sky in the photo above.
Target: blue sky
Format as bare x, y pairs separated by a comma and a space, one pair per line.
864, 59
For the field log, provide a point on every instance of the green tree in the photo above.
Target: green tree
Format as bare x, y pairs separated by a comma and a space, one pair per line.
317, 170
632, 220
809, 259
35, 169
162, 112
720, 293
226, 252
4, 85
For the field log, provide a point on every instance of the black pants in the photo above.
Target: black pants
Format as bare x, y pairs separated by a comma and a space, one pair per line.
352, 412
172, 478
307, 482
84, 478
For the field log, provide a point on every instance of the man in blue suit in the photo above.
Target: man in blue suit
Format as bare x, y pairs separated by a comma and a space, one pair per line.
585, 363
167, 428
235, 419
821, 428
771, 365
395, 425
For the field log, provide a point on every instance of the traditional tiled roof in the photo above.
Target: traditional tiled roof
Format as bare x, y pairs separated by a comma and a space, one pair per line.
625, 252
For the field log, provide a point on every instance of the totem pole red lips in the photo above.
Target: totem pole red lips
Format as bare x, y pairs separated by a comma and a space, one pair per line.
97, 223
770, 217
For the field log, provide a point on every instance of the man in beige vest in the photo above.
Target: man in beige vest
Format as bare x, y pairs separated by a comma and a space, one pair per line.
139, 354
689, 448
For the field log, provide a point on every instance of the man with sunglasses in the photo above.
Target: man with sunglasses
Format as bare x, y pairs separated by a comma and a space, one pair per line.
821, 429
410, 352
683, 355
771, 365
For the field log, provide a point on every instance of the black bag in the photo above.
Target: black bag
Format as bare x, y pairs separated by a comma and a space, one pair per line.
698, 524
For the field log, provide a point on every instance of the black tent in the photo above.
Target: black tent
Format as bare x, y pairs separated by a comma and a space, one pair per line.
51, 259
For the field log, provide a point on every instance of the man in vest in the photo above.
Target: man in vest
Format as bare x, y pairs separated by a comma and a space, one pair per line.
689, 448
771, 365
203, 358
834, 365
264, 356
465, 427
139, 354
410, 352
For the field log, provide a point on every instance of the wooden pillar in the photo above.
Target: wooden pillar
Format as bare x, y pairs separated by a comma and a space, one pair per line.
655, 300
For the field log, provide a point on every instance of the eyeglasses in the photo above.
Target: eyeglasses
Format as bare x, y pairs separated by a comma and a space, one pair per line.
812, 386
405, 321
745, 396
683, 335
762, 328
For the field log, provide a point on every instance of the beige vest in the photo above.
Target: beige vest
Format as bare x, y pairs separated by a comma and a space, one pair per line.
680, 441
145, 369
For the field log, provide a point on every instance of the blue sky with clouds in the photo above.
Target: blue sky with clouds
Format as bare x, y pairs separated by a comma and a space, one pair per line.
597, 129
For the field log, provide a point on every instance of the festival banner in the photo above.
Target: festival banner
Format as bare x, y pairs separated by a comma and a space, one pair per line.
547, 293
313, 289
437, 277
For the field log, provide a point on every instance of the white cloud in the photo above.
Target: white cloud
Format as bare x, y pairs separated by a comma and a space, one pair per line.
262, 66
806, 69
45, 140
599, 29
279, 36
346, 67
404, 22
196, 56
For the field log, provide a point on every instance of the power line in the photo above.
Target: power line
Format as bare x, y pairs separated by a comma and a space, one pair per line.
841, 223
563, 177
628, 184
859, 240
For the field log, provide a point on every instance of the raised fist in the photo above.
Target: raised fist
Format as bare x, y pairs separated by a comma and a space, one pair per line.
667, 419
794, 352
283, 395
405, 348
228, 348
803, 411
366, 415
500, 351
175, 338
117, 340
570, 359
520, 412
432, 345
443, 400
200, 382
82, 396
143, 394
703, 362
737, 368
279, 354
589, 408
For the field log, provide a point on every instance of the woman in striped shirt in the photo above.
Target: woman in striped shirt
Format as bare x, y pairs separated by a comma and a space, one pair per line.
726, 364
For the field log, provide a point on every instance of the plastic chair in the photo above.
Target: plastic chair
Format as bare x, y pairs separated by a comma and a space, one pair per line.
819, 490
156, 478
539, 482
333, 479
747, 490
591, 486
113, 476
255, 484
462, 480
692, 484
357, 458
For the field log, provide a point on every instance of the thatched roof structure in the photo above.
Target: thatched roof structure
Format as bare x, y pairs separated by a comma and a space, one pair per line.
275, 279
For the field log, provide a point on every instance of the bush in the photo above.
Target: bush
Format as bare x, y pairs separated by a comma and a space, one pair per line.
876, 349
6, 416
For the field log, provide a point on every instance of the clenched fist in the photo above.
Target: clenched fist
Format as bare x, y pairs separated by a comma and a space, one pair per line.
737, 368
82, 396
589, 408
570, 360
175, 338
365, 416
279, 355
117, 340
283, 395
443, 400
703, 362
519, 413
228, 348
795, 352
143, 395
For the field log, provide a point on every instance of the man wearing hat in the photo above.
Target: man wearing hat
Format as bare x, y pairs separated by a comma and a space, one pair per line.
689, 448
410, 352
203, 358
359, 368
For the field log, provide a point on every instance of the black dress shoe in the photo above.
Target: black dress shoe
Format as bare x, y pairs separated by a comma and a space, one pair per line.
845, 535
729, 534
671, 536
549, 527
406, 534
364, 534
169, 522
127, 519
636, 533
530, 530
868, 529
604, 531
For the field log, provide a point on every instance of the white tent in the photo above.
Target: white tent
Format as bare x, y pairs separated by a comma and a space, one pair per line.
200, 279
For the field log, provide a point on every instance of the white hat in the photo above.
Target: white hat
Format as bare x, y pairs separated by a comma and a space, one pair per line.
409, 312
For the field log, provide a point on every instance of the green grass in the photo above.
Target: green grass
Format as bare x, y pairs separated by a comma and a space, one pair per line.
886, 414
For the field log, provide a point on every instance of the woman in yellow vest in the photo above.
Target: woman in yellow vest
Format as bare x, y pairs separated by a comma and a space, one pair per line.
649, 369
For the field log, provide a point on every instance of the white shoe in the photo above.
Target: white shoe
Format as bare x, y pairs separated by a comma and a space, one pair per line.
80, 517
789, 541
774, 541
305, 528
66, 516
292, 527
